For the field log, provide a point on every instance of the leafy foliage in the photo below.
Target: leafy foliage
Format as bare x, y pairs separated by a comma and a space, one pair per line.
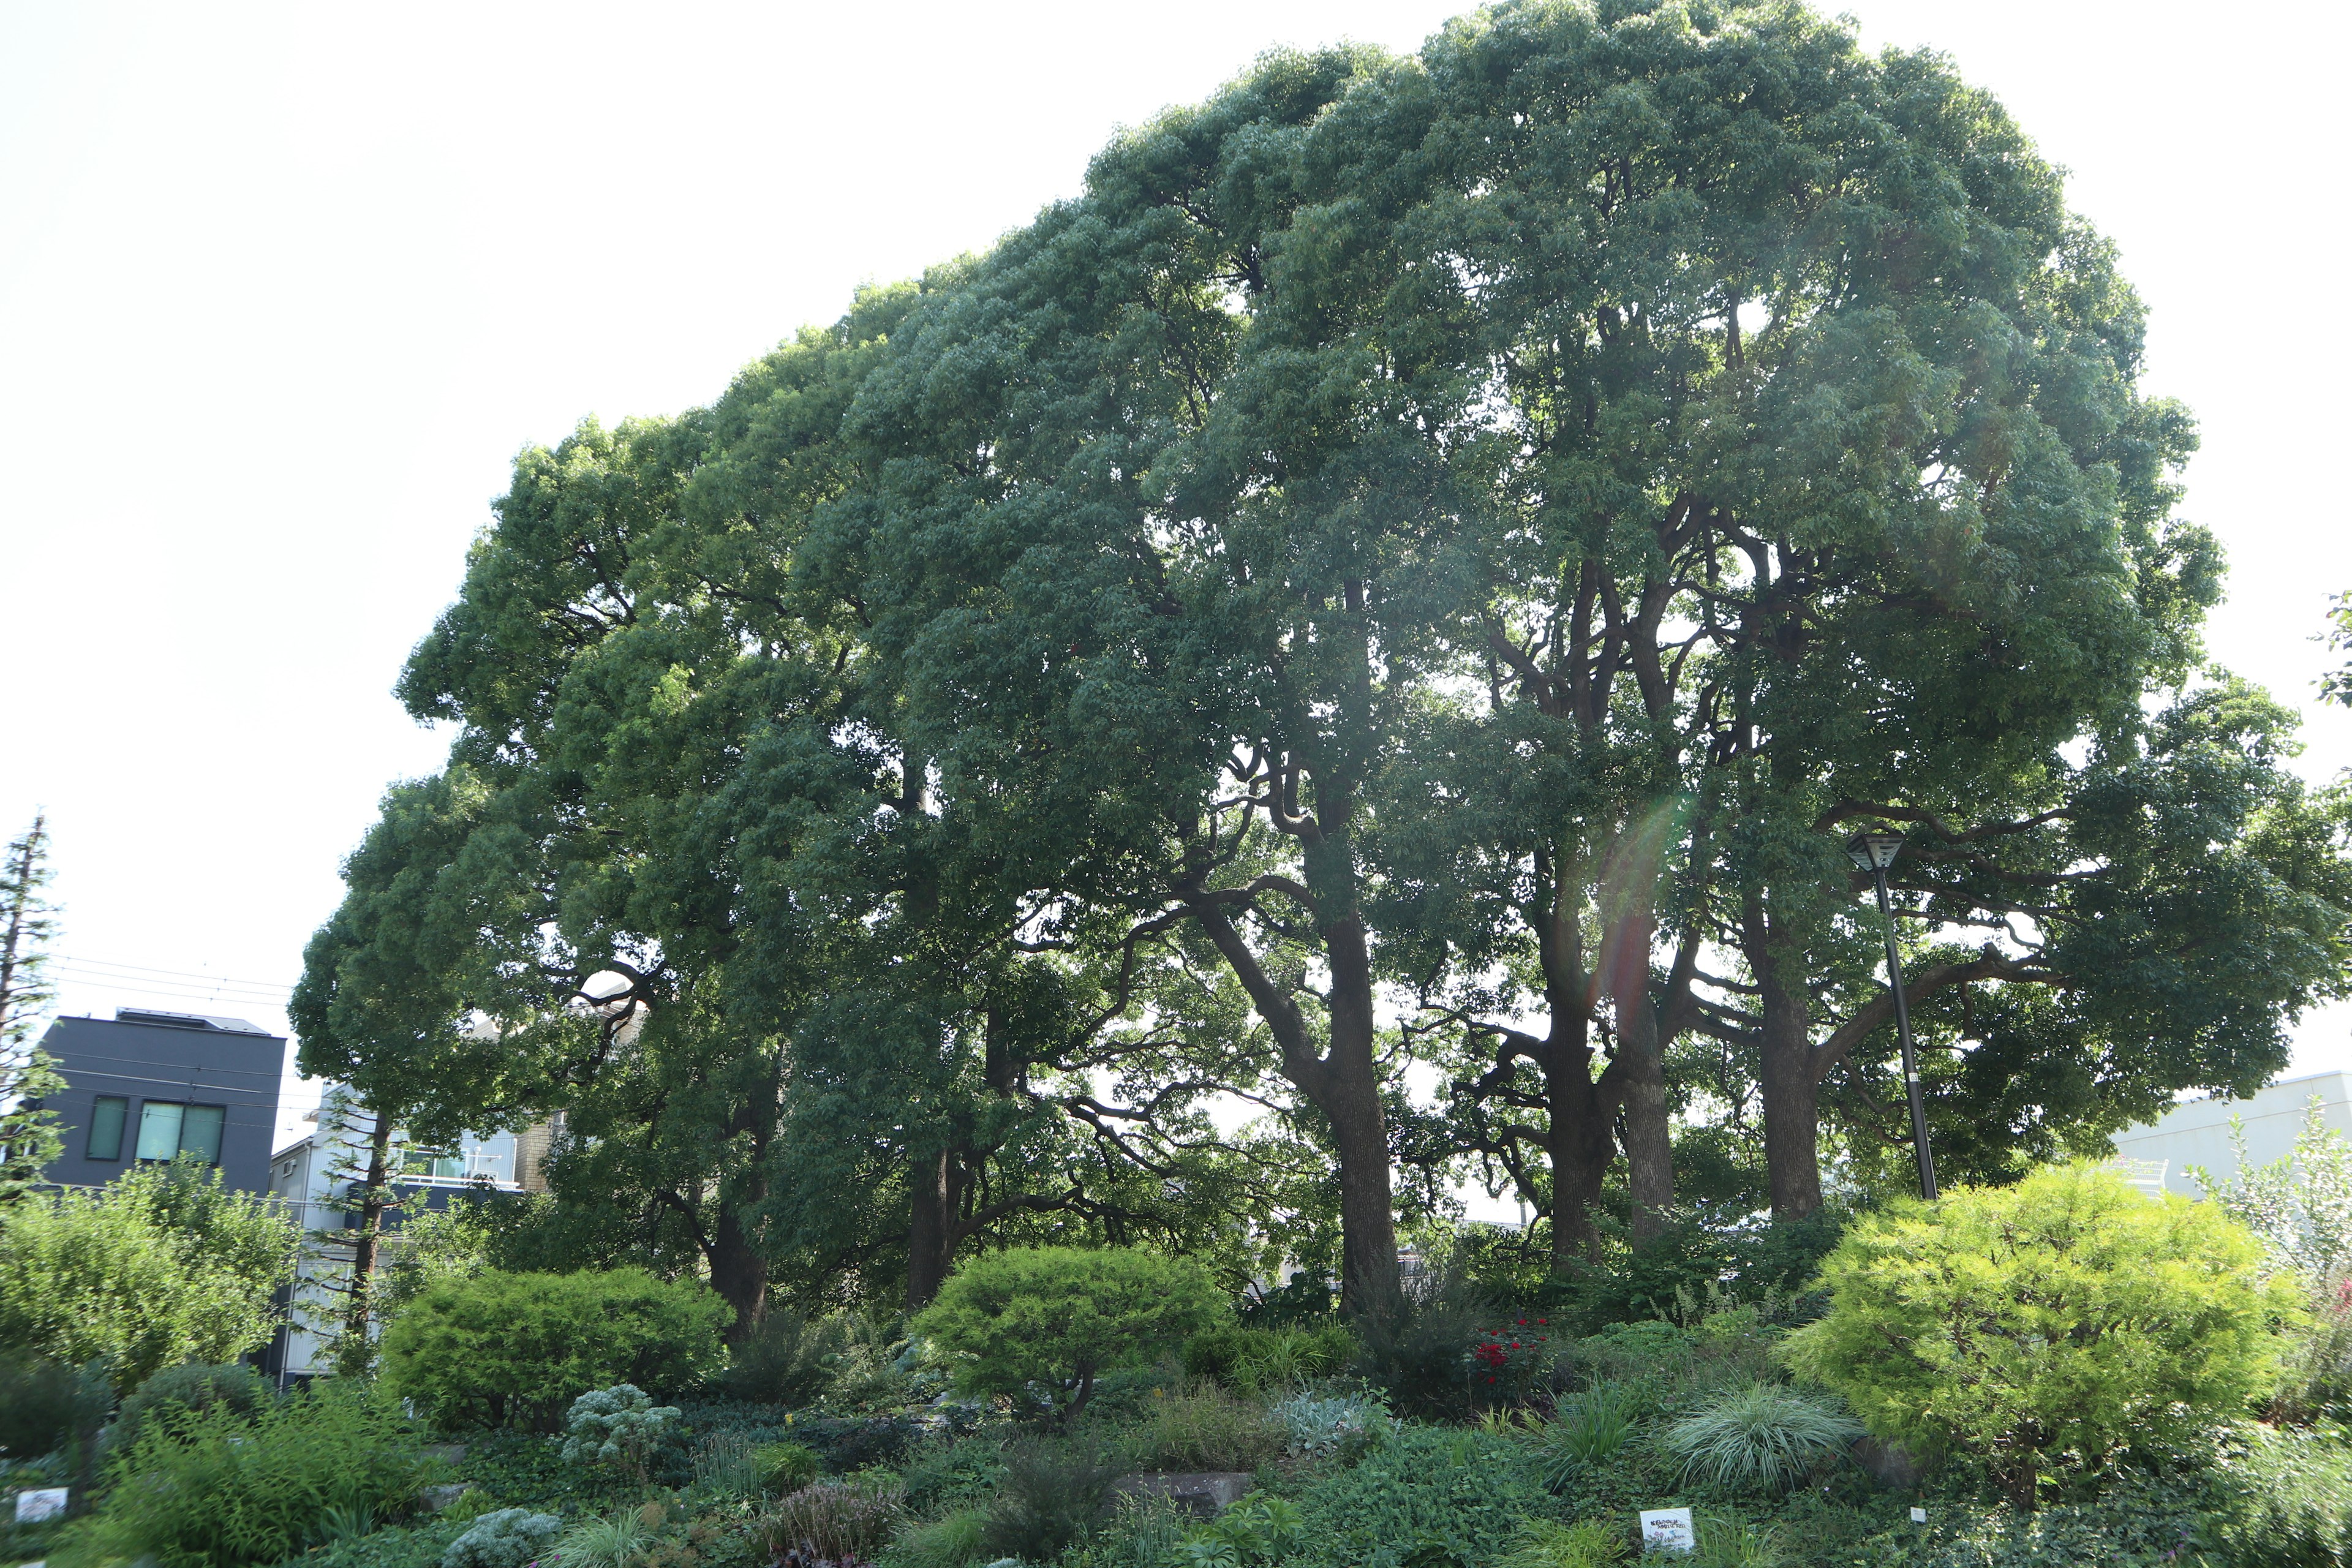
1461, 1494
162, 1265
504, 1538
1765, 1437
614, 1540
1545, 1543
2301, 1203
217, 1487
193, 1385
2046, 1325
1328, 1426
496, 1348
1208, 1430
957, 1540
1053, 1317
1587, 1426
40, 1399
785, 1467
620, 1427
1050, 1499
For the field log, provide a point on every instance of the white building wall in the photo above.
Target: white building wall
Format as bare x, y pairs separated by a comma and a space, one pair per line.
2198, 1134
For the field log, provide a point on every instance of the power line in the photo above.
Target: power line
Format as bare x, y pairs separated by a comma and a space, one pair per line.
65, 958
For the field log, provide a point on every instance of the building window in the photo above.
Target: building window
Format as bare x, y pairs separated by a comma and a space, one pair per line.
106, 1114
166, 1130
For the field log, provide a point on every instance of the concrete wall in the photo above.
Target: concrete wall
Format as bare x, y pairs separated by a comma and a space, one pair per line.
2198, 1134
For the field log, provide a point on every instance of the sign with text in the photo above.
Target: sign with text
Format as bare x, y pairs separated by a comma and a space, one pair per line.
1668, 1530
37, 1504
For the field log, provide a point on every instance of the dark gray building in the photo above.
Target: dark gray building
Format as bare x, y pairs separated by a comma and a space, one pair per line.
147, 1086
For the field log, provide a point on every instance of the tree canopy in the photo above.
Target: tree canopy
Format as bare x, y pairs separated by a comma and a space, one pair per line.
1409, 579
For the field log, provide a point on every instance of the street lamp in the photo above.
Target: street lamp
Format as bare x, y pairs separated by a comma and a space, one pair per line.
1874, 852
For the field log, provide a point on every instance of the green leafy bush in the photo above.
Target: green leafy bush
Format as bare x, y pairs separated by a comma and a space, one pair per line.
160, 1265
1207, 1431
1050, 1499
1269, 1358
1450, 1494
217, 1488
621, 1428
2046, 1324
1414, 1352
1322, 1426
504, 1538
39, 1401
1051, 1318
834, 1519
496, 1349
1765, 1437
193, 1385
1258, 1528
788, 1359
953, 1475
396, 1546
2289, 1501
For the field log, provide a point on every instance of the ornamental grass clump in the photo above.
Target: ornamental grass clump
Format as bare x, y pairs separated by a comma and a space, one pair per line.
1587, 1428
2045, 1327
833, 1520
1763, 1437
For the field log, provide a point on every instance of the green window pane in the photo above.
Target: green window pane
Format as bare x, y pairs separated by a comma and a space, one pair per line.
200, 1132
158, 1131
106, 1114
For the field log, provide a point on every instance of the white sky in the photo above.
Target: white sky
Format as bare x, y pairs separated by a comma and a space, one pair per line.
283, 290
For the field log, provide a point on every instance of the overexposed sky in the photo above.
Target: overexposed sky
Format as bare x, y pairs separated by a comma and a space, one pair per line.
284, 288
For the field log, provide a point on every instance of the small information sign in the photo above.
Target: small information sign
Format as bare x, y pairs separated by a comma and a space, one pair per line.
1668, 1530
1919, 1516
37, 1504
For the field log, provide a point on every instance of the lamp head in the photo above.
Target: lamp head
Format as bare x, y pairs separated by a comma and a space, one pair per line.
1875, 851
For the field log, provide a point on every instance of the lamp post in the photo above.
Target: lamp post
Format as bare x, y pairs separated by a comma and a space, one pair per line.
1874, 852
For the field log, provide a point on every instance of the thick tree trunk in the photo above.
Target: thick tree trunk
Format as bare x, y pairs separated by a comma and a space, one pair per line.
932, 1233
1349, 1098
737, 1272
1649, 1141
1579, 1149
1785, 1070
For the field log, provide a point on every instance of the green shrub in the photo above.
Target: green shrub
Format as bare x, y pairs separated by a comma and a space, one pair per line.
955, 1542
622, 1429
785, 1467
1050, 1499
41, 1399
1415, 1352
2317, 1381
1269, 1358
1256, 1529
2046, 1324
953, 1475
787, 1360
162, 1265
1207, 1431
1765, 1437
2288, 1502
726, 1467
1546, 1543
504, 1538
190, 1387
498, 1349
834, 1519
216, 1489
413, 1546
1321, 1427
1443, 1495
1050, 1317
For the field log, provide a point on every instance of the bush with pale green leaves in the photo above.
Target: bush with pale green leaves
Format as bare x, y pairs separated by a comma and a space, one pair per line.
504, 1538
620, 1427
2047, 1326
1048, 1320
